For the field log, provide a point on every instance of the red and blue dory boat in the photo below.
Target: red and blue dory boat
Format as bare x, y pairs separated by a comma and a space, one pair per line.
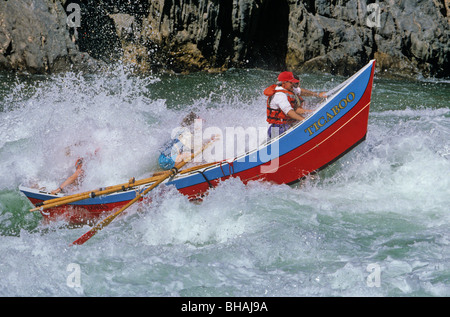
336, 127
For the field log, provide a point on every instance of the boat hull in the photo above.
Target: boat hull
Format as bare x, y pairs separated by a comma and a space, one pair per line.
334, 129
86, 211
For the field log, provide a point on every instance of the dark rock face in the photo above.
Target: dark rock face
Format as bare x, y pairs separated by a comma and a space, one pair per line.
408, 38
415, 36
329, 39
97, 34
215, 35
34, 38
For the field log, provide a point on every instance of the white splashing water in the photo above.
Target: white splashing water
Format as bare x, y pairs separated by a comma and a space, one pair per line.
386, 202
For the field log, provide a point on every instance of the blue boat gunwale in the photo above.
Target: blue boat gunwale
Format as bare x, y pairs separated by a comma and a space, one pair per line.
217, 171
103, 199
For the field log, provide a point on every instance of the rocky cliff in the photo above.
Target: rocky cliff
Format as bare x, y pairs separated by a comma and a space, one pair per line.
34, 37
407, 38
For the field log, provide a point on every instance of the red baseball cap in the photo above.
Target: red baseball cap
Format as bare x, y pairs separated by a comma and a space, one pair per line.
287, 76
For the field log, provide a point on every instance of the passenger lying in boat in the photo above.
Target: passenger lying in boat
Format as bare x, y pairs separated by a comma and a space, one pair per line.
179, 148
284, 103
76, 178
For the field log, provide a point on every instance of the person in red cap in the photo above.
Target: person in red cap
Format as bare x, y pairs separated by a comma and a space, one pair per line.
284, 103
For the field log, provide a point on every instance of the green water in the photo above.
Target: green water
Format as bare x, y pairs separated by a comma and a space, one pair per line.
383, 204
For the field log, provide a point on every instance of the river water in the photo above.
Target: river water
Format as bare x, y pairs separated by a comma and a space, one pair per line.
375, 223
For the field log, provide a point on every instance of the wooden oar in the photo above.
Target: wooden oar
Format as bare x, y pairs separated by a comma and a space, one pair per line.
110, 218
80, 196
51, 203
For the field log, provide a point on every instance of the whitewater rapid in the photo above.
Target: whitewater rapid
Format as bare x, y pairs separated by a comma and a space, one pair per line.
384, 205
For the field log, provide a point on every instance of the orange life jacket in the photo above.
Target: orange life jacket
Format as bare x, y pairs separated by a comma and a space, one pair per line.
277, 116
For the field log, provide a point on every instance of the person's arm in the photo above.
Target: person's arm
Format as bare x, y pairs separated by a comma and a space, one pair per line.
282, 101
294, 115
302, 111
309, 93
68, 181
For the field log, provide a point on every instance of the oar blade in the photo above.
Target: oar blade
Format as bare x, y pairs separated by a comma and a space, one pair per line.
85, 237
110, 218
